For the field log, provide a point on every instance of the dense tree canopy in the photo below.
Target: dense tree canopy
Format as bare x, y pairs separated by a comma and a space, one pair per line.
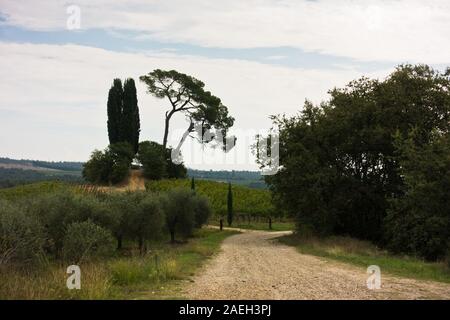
340, 166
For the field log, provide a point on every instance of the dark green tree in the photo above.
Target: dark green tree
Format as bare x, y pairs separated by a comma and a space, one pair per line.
114, 107
109, 166
229, 205
418, 220
193, 185
130, 122
339, 165
123, 114
153, 160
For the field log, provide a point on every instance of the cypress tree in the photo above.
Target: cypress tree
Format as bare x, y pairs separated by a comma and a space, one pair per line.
114, 107
230, 205
193, 184
130, 122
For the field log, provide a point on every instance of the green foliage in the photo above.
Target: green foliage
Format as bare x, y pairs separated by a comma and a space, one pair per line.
58, 210
148, 220
245, 200
130, 122
109, 166
114, 108
123, 114
152, 158
339, 166
202, 209
229, 205
86, 240
157, 163
179, 208
21, 235
187, 95
418, 221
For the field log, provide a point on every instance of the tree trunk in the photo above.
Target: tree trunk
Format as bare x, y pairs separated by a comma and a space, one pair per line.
172, 236
166, 128
119, 242
141, 245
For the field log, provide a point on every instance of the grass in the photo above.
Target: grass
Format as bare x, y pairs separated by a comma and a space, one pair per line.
156, 275
364, 254
32, 189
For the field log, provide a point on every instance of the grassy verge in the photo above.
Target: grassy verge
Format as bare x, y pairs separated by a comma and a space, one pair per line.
156, 275
363, 253
276, 226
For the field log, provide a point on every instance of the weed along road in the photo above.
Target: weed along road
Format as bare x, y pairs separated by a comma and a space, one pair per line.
254, 265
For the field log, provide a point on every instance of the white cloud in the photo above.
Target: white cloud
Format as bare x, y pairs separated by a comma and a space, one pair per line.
370, 30
53, 97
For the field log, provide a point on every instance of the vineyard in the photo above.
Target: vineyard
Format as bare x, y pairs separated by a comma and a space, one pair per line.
246, 200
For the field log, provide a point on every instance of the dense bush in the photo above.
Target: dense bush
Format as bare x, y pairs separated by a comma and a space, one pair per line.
152, 158
109, 166
86, 240
157, 163
418, 221
77, 225
21, 235
58, 210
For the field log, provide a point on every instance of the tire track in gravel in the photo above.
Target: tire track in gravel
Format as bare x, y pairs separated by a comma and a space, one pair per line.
253, 265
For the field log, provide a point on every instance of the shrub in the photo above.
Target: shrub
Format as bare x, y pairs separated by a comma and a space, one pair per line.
120, 209
86, 240
147, 220
157, 163
179, 207
202, 210
109, 166
56, 211
153, 161
21, 235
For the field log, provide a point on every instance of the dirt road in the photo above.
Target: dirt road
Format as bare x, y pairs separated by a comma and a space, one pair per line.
252, 265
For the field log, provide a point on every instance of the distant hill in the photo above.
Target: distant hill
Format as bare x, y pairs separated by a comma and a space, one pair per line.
17, 172
252, 179
40, 165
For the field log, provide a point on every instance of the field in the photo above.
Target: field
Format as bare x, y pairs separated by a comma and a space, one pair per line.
245, 200
33, 189
157, 275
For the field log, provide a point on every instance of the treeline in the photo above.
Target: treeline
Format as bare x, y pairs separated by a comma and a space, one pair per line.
250, 179
373, 162
57, 165
79, 226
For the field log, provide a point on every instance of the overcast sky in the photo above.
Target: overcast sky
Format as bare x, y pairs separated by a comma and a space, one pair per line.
261, 57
